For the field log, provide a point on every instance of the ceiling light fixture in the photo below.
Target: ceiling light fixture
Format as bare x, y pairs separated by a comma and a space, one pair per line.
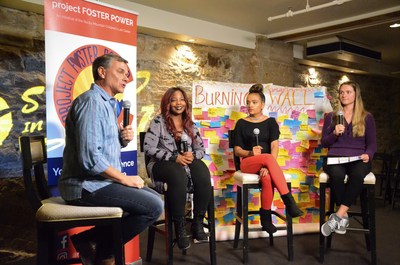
395, 25
291, 13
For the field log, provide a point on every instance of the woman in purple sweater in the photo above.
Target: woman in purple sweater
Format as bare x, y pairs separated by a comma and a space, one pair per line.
356, 136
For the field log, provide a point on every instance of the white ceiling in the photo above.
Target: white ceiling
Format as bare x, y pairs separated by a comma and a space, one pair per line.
365, 22
235, 23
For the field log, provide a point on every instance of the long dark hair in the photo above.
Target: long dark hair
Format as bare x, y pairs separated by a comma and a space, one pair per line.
186, 115
359, 112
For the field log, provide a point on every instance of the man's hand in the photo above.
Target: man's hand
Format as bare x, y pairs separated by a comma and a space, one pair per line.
133, 181
126, 133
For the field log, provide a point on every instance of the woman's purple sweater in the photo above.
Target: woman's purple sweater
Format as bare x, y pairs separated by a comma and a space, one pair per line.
346, 144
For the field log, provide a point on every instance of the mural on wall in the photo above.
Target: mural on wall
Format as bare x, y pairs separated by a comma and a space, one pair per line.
299, 113
30, 107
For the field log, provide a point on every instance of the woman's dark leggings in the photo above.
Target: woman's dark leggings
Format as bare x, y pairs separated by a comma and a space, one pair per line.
346, 193
175, 176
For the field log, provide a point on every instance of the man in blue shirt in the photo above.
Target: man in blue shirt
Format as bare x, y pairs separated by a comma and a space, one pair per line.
91, 174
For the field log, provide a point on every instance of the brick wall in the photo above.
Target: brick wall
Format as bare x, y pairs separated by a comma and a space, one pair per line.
161, 63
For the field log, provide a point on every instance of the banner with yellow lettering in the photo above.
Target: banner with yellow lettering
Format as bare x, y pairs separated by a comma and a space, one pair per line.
299, 112
77, 32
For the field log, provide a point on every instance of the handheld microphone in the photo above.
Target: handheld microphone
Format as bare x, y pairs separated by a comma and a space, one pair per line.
184, 139
127, 106
256, 132
340, 119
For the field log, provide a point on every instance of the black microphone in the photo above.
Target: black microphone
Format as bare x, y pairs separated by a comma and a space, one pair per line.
127, 106
256, 132
184, 139
340, 118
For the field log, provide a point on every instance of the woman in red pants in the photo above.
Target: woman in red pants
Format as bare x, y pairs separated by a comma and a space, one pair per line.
256, 142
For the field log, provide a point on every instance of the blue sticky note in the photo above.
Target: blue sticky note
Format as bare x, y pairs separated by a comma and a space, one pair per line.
318, 94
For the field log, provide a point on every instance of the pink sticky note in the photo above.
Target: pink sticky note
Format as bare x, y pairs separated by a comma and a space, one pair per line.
311, 113
229, 123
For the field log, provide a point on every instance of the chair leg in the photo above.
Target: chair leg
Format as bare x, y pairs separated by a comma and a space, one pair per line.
289, 232
372, 224
364, 201
322, 201
43, 246
119, 247
239, 214
396, 184
150, 243
169, 240
245, 223
211, 229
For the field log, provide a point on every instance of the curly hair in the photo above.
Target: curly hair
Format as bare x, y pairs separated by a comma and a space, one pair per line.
258, 89
186, 115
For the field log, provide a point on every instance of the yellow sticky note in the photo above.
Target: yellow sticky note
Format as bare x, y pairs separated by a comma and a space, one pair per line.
304, 188
312, 169
303, 127
205, 124
305, 144
283, 152
197, 111
230, 203
281, 118
281, 161
218, 173
304, 197
316, 182
300, 149
214, 139
287, 136
221, 111
295, 183
209, 134
212, 112
301, 135
236, 115
284, 129
217, 159
303, 118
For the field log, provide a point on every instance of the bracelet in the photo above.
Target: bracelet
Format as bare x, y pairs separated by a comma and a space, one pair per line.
250, 153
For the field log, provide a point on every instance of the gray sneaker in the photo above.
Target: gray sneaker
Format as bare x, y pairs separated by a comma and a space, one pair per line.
331, 225
343, 224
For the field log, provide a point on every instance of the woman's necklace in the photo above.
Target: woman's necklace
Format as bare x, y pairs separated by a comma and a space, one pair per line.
256, 118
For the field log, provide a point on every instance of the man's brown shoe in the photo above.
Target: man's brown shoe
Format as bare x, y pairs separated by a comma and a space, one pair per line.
86, 249
109, 261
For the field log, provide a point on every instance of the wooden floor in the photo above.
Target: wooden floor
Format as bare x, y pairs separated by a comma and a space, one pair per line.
346, 249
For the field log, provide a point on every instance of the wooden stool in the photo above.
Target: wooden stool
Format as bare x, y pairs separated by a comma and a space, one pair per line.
246, 182
367, 200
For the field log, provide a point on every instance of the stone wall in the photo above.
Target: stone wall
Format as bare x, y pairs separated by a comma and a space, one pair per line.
161, 63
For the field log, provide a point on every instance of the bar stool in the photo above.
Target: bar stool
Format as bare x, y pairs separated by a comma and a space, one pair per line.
367, 202
164, 226
245, 182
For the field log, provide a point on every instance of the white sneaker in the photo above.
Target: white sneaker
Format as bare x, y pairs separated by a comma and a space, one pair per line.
343, 224
331, 225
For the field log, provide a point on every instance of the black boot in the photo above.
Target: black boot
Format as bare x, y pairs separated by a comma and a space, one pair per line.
197, 229
291, 206
182, 238
266, 221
